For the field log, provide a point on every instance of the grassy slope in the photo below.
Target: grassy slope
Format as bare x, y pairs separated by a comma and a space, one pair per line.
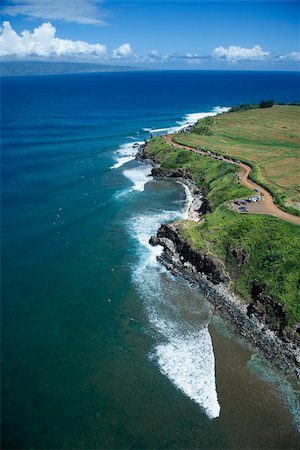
215, 178
272, 244
268, 139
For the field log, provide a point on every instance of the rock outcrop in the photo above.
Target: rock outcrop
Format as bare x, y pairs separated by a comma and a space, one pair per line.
169, 237
262, 322
254, 321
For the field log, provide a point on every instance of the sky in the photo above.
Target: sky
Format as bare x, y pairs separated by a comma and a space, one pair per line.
155, 34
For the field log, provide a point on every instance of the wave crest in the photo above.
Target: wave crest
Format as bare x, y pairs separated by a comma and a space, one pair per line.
125, 153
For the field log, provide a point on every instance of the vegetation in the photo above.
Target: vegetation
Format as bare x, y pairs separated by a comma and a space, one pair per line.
267, 139
271, 245
266, 104
215, 178
243, 107
203, 129
246, 106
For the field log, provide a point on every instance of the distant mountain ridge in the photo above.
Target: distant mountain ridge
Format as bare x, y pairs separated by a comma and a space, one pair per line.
17, 68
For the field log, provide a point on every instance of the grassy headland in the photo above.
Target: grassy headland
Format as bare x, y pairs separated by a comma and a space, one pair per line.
269, 246
267, 139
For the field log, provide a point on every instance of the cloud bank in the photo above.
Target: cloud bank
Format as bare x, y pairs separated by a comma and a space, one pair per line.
293, 56
124, 51
79, 11
235, 53
43, 42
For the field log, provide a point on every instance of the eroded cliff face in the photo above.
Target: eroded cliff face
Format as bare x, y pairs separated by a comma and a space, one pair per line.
169, 237
262, 320
272, 313
267, 311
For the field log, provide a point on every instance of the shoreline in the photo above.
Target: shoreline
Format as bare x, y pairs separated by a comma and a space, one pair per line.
180, 261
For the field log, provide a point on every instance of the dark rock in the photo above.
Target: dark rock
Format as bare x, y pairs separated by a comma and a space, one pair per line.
166, 173
256, 289
141, 156
254, 322
202, 262
153, 241
240, 255
268, 310
205, 207
283, 354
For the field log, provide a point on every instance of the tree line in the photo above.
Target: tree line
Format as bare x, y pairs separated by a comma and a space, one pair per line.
245, 106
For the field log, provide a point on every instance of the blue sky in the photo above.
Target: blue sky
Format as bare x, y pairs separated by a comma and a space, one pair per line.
256, 35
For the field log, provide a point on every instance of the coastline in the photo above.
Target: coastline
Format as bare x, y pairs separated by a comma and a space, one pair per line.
181, 260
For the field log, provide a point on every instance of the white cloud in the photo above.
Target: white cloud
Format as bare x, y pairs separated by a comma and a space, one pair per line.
42, 42
79, 11
123, 51
293, 56
235, 53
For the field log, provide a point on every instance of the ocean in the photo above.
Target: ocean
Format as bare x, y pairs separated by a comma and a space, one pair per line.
101, 346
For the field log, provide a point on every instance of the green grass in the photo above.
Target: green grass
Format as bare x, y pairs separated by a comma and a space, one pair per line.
272, 244
216, 179
268, 139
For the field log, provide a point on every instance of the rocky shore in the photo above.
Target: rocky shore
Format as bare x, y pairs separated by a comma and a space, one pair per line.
210, 275
211, 278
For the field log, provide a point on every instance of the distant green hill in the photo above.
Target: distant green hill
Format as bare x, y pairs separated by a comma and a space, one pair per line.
15, 68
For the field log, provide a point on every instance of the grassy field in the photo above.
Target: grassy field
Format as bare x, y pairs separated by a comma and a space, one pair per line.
267, 138
271, 244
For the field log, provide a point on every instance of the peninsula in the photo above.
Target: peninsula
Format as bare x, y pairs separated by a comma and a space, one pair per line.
243, 249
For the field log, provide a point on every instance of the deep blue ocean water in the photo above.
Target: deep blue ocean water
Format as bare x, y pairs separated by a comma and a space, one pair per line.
101, 347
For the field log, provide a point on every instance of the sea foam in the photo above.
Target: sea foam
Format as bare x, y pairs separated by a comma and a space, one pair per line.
189, 201
177, 317
139, 176
189, 119
188, 361
125, 153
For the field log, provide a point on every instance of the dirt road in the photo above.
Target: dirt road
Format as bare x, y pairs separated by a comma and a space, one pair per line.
266, 206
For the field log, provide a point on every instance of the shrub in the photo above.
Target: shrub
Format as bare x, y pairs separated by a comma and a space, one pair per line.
266, 104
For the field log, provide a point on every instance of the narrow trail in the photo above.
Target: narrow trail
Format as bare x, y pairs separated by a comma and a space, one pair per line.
266, 206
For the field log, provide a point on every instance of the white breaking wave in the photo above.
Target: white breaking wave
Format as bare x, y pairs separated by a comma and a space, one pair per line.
157, 130
143, 227
178, 317
188, 361
139, 176
189, 119
221, 109
126, 153
189, 200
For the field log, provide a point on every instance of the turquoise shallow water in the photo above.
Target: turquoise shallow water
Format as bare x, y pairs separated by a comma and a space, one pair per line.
102, 348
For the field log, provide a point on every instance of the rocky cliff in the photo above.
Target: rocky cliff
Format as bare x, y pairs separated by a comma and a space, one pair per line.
262, 321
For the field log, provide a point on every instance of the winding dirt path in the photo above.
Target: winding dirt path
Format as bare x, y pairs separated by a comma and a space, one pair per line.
266, 206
